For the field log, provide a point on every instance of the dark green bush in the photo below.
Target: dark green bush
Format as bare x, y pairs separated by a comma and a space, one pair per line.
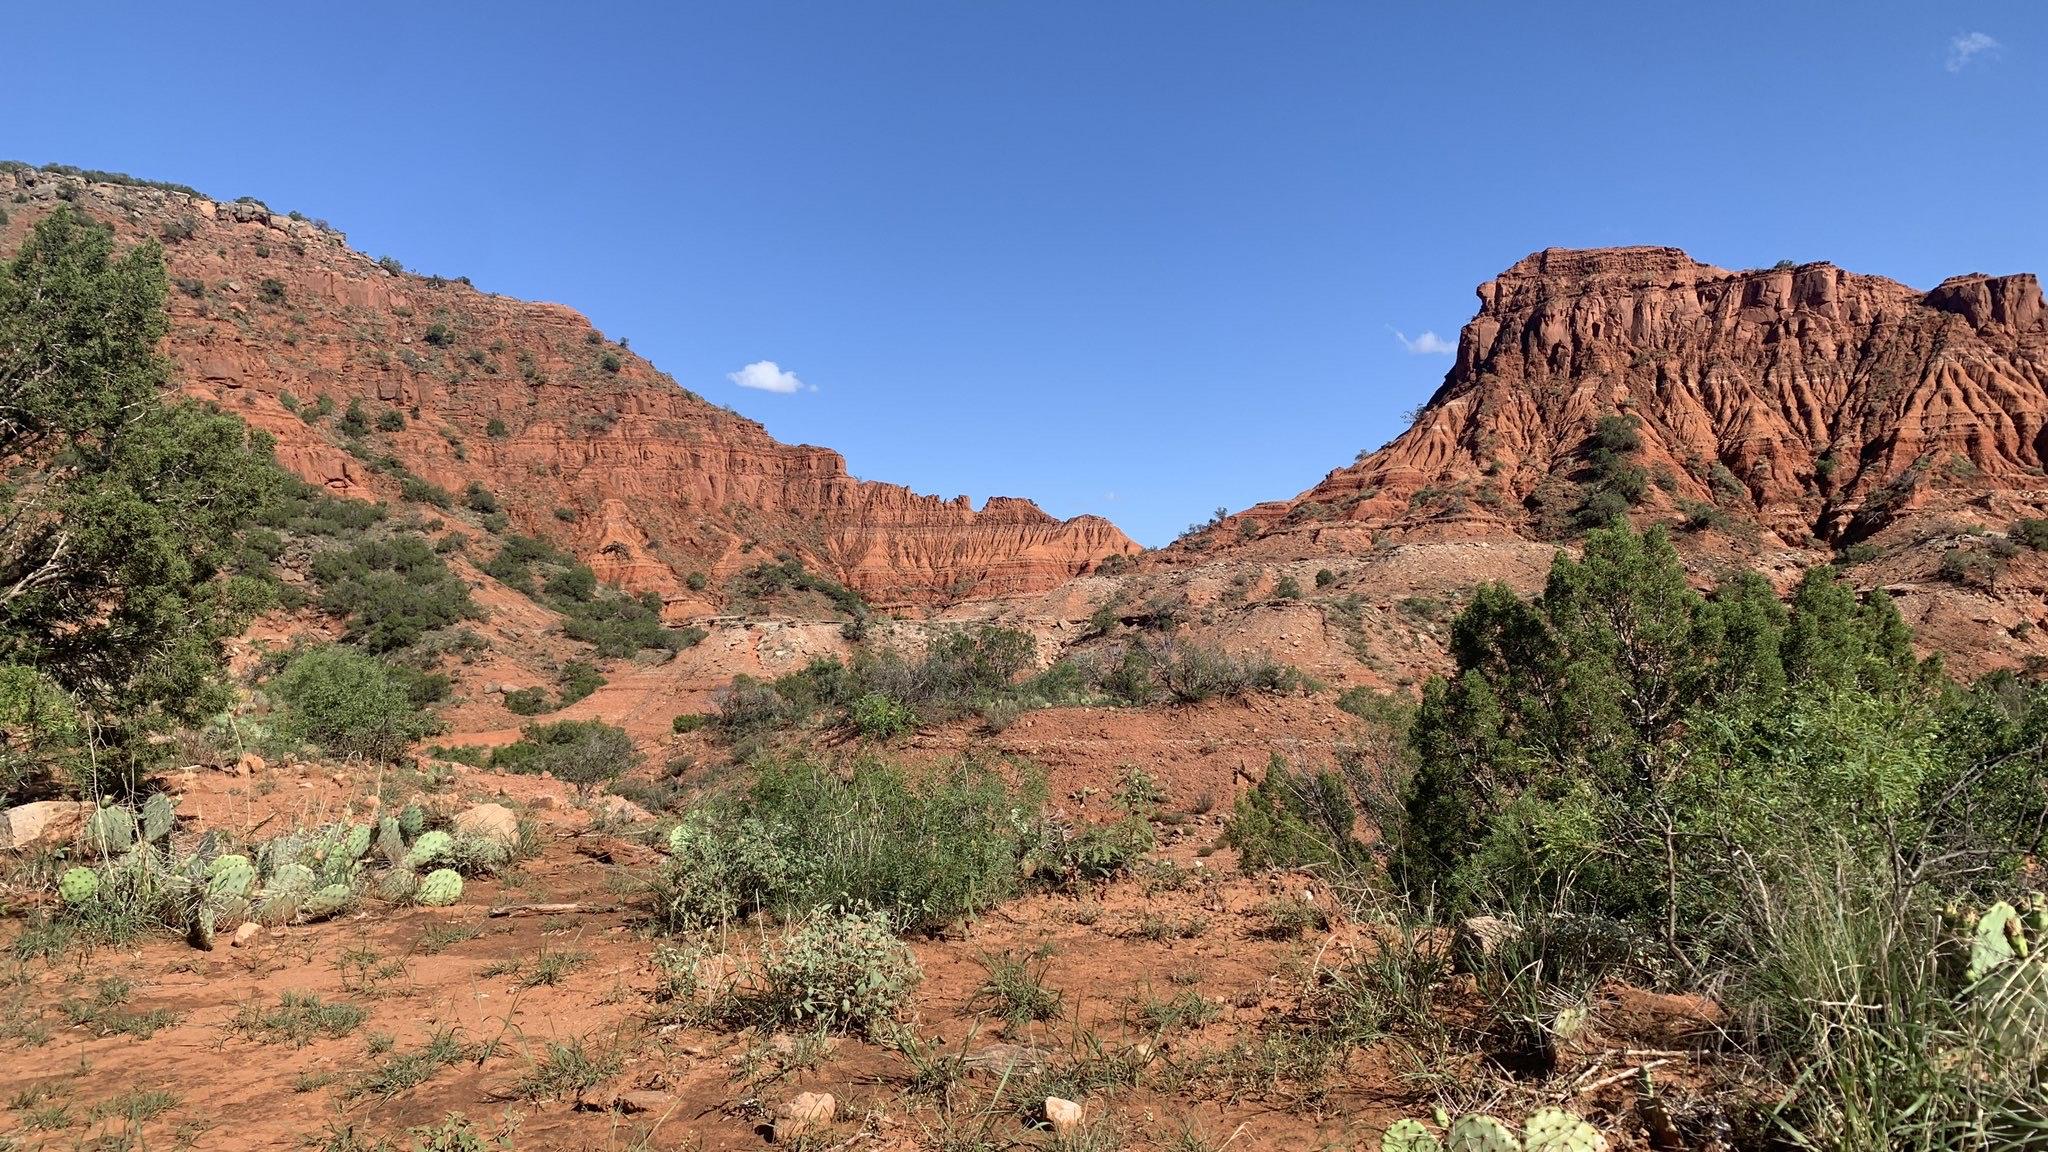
348, 702
581, 752
2031, 533
393, 591
1296, 819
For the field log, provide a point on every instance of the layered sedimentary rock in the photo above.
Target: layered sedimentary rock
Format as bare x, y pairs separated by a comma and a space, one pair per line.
277, 319
1816, 403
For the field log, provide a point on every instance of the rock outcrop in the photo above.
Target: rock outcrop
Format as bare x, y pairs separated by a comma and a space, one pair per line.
277, 319
1817, 404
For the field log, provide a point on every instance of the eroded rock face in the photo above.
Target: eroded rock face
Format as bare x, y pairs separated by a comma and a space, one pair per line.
576, 436
1813, 402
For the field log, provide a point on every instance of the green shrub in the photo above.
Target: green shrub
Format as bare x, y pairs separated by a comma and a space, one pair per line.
348, 702
1296, 819
2031, 533
496, 429
390, 420
393, 591
878, 717
1325, 577
41, 732
927, 849
581, 752
689, 722
840, 970
1288, 588
529, 701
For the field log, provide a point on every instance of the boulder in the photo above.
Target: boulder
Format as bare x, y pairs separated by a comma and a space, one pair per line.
43, 824
490, 821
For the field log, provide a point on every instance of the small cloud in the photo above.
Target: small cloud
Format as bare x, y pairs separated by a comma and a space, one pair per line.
768, 376
1427, 344
1966, 48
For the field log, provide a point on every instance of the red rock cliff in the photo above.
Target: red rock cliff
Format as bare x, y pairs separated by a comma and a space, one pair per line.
580, 439
1813, 401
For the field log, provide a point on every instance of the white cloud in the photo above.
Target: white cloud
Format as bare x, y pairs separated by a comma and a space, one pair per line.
1964, 50
1427, 344
768, 376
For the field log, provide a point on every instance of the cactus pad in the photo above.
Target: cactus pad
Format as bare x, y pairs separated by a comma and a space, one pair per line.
326, 902
230, 876
1555, 1130
78, 886
1407, 1135
430, 847
442, 886
411, 821
398, 885
111, 829
157, 818
291, 878
1991, 944
1480, 1134
390, 840
356, 844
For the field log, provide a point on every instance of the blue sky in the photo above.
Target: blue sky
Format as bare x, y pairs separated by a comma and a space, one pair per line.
1134, 259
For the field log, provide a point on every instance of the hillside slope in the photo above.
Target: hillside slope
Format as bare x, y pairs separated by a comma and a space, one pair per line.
576, 436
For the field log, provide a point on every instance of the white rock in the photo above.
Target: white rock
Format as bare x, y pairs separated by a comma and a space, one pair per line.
1063, 1115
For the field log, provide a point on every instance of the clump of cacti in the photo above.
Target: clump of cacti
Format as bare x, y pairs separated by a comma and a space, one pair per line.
1549, 1130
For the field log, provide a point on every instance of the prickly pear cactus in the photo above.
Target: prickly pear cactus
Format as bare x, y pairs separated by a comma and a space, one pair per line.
398, 885
429, 848
2036, 917
199, 930
441, 886
390, 840
1480, 1134
1407, 1135
356, 844
111, 830
291, 878
230, 877
157, 818
1555, 1130
1992, 941
411, 821
78, 886
326, 902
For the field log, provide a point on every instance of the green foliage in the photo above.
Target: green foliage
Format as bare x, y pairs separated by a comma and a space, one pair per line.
1614, 484
496, 429
581, 752
2030, 533
689, 722
927, 850
41, 731
1630, 749
120, 517
786, 575
840, 970
616, 624
880, 718
393, 591
348, 702
1288, 588
1295, 819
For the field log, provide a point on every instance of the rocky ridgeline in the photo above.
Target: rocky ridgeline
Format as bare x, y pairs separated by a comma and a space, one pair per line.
1807, 400
574, 435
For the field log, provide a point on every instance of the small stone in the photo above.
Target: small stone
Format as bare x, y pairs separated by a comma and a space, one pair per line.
643, 1100
1063, 1115
247, 932
796, 1118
